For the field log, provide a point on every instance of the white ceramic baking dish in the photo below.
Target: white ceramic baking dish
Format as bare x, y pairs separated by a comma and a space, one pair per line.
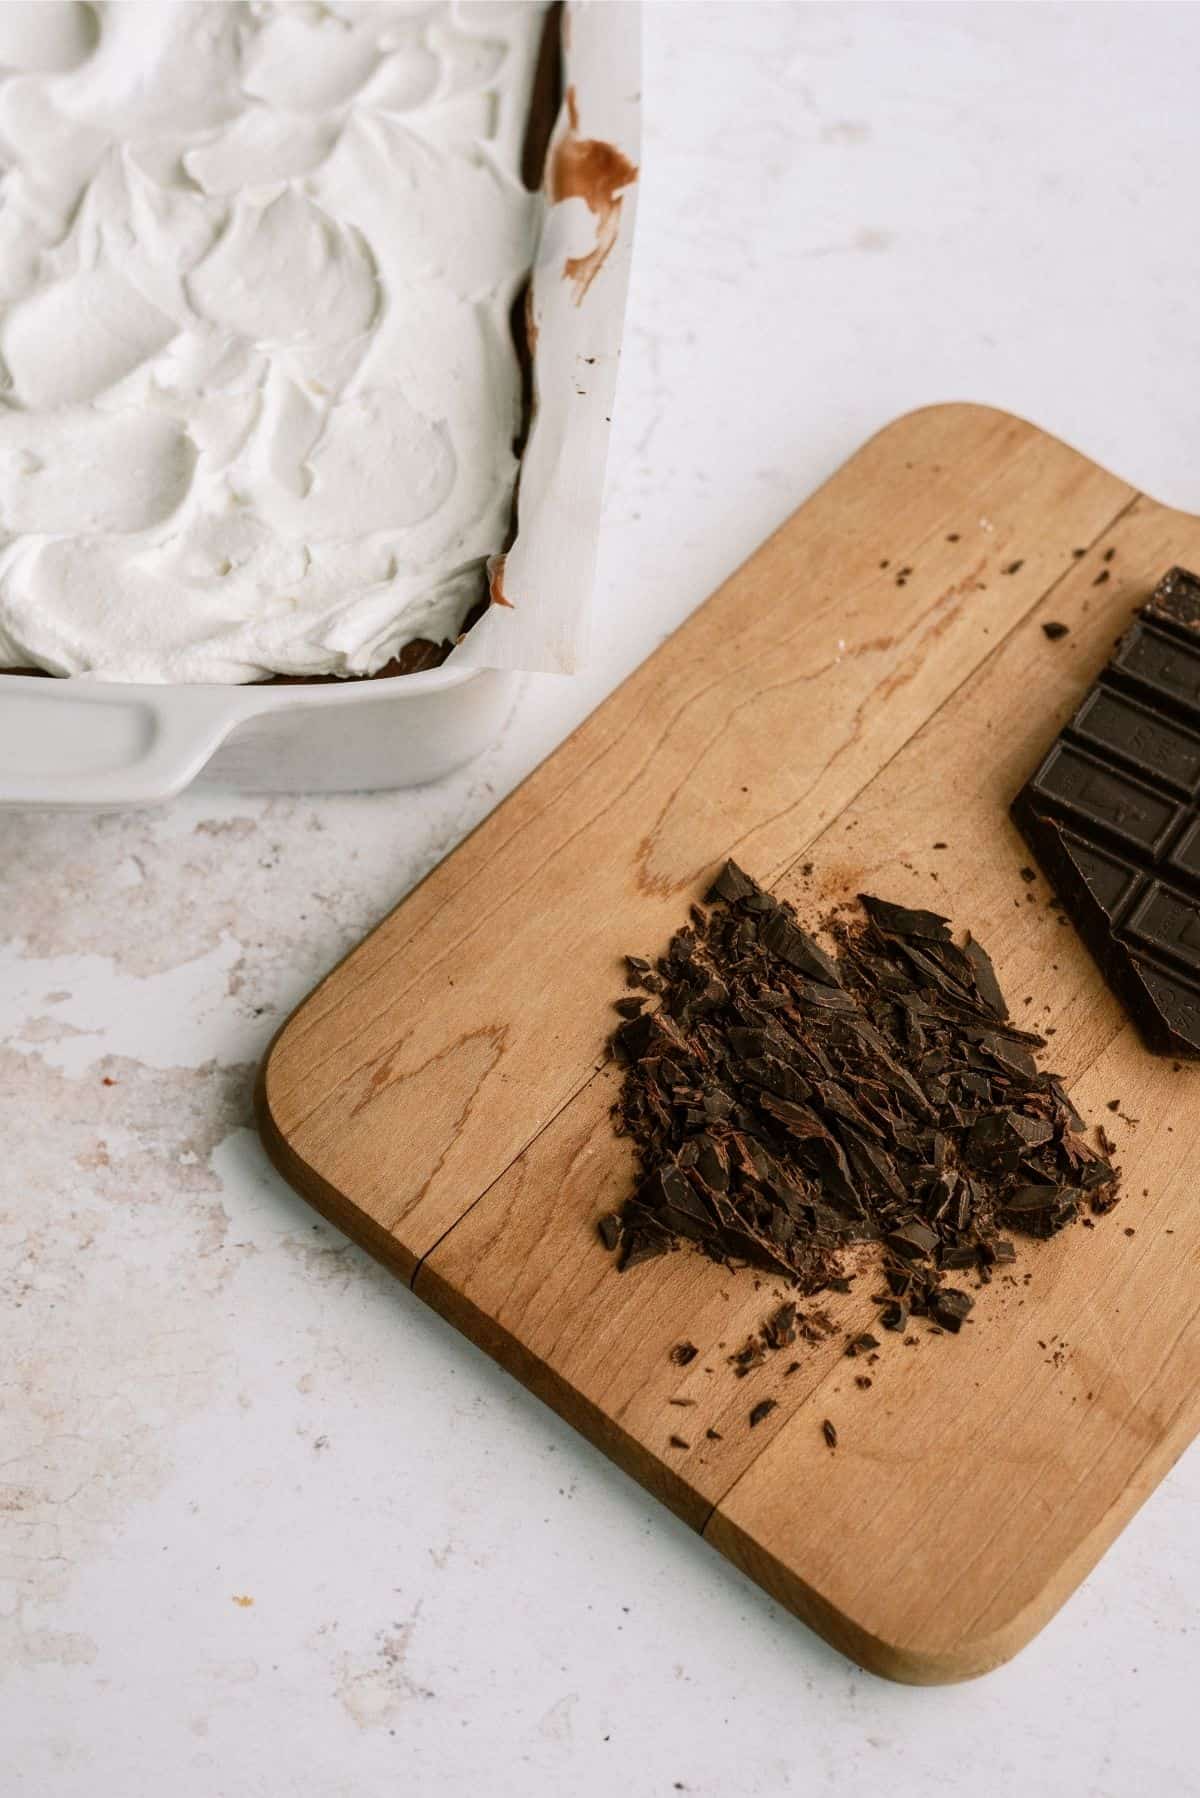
75, 744
81, 743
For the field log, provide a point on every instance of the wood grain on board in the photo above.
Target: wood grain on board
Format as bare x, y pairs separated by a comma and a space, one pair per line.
872, 682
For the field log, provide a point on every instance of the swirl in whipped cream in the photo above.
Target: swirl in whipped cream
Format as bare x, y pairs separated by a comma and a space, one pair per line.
258, 389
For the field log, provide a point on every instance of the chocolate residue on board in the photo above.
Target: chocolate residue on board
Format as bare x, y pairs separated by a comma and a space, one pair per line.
588, 169
495, 574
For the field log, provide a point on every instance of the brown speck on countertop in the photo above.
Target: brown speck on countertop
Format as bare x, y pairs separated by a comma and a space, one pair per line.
1100, 578
1053, 629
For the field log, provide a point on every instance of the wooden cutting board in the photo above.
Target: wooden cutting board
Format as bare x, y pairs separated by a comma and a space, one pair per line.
872, 683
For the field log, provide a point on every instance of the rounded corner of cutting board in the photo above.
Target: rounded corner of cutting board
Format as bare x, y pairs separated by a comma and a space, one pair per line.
911, 1664
899, 1650
276, 1127
909, 1661
967, 420
266, 1116
961, 414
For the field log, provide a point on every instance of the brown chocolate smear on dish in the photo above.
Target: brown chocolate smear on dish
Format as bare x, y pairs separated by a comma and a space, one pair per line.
544, 100
786, 1102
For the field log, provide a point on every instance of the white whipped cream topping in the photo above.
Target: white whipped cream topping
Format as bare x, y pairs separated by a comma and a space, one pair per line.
257, 389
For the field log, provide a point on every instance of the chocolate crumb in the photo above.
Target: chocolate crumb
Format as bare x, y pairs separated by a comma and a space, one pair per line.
829, 1433
762, 1409
678, 1442
1054, 629
1101, 578
683, 1353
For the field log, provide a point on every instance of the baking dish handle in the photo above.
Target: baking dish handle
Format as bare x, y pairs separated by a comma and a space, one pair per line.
68, 743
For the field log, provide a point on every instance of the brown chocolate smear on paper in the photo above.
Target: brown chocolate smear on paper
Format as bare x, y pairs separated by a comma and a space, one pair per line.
588, 169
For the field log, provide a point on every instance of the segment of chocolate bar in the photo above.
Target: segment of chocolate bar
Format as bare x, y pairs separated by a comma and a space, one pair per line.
1113, 816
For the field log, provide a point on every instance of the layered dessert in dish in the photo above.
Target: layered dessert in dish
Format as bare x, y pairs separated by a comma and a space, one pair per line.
261, 401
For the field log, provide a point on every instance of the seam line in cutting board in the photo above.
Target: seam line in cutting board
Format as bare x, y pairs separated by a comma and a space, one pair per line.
776, 874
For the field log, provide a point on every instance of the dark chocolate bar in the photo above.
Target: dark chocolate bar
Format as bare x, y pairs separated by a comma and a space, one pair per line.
1113, 816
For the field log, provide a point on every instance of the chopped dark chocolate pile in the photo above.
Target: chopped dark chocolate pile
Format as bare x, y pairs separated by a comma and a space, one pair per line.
785, 1103
1113, 816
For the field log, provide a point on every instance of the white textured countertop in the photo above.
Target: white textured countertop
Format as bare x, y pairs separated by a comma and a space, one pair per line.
267, 1527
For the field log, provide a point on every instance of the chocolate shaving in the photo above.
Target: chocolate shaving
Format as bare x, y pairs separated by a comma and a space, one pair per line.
610, 1230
